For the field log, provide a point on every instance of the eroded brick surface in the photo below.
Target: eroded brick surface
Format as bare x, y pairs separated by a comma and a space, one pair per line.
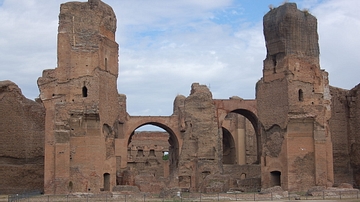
21, 141
293, 103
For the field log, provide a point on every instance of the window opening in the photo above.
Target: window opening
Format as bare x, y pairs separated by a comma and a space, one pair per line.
140, 153
152, 153
275, 178
301, 95
274, 63
106, 182
165, 155
84, 91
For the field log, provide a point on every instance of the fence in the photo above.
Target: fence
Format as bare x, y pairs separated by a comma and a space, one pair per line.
186, 196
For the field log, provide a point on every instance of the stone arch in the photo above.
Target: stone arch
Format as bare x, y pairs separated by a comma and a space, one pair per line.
229, 148
255, 123
173, 140
246, 108
167, 123
250, 116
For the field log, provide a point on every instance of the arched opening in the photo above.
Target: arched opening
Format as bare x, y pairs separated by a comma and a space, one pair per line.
229, 150
140, 153
247, 126
153, 150
106, 182
275, 178
242, 127
301, 95
274, 63
84, 91
152, 153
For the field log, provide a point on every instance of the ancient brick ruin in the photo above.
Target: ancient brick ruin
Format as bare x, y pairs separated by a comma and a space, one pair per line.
22, 125
298, 133
298, 92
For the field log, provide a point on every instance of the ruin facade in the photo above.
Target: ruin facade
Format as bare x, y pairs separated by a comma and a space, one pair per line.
82, 102
298, 133
297, 149
22, 125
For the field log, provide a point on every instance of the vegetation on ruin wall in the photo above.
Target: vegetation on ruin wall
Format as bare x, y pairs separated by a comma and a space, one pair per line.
165, 157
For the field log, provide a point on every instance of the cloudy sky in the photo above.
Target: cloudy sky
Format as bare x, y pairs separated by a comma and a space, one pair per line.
166, 45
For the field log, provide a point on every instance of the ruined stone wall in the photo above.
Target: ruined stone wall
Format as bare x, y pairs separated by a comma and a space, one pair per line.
22, 141
278, 102
353, 99
86, 39
82, 103
146, 165
201, 153
146, 151
86, 148
145, 169
293, 101
339, 126
251, 149
239, 140
244, 177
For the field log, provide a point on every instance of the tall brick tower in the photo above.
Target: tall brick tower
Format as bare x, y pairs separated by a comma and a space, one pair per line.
81, 101
293, 103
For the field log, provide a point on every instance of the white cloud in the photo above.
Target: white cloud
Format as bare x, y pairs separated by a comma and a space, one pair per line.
28, 42
213, 55
339, 28
165, 46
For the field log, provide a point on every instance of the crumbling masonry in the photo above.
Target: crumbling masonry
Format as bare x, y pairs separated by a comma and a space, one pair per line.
298, 133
